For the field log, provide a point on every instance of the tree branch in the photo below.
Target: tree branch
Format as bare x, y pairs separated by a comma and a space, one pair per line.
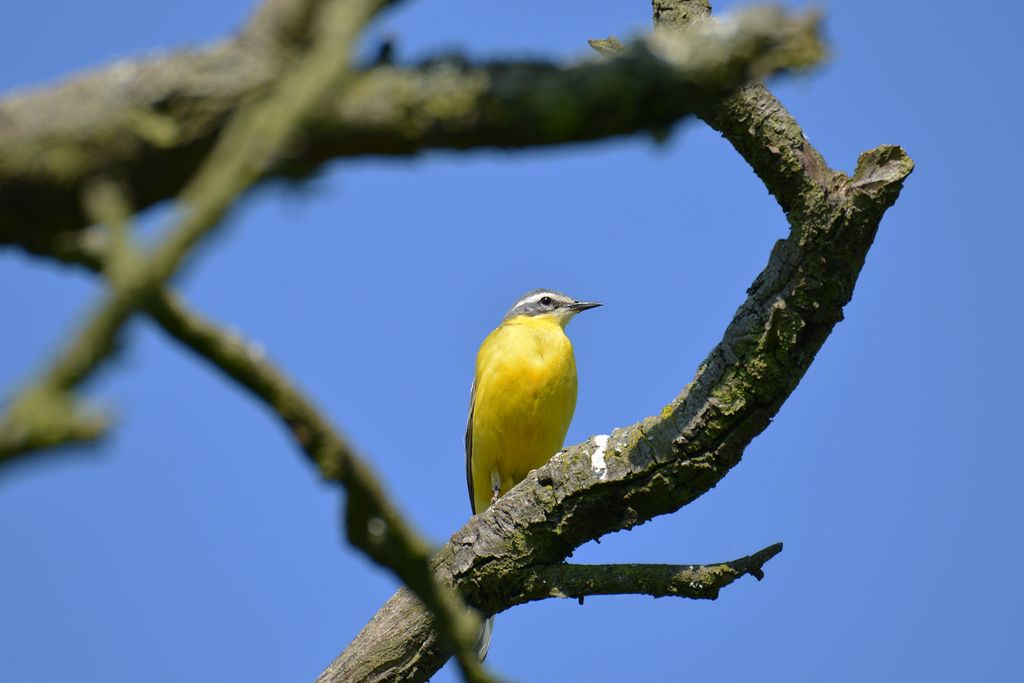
610, 483
41, 418
373, 523
256, 134
370, 518
758, 126
242, 154
664, 462
256, 137
696, 581
283, 27
148, 122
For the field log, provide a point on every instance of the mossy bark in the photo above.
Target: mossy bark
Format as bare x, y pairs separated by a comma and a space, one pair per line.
149, 123
662, 463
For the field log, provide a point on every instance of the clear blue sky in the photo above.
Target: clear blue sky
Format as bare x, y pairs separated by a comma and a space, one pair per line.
197, 545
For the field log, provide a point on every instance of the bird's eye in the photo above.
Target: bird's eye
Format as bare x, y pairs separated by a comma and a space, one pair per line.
546, 300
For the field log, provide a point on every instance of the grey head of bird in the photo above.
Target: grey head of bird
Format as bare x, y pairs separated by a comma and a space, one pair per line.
561, 307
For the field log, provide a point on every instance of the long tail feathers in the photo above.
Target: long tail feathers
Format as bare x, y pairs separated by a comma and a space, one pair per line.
483, 643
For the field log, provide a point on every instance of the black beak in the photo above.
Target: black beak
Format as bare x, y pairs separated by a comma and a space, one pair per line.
583, 305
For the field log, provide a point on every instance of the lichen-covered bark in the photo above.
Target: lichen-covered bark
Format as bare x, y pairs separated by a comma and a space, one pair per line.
146, 127
661, 463
699, 582
759, 127
255, 135
664, 462
148, 123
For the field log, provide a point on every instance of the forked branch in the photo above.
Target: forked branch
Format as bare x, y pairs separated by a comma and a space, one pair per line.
664, 462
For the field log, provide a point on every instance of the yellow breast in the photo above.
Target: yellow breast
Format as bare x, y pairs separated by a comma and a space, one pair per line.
524, 398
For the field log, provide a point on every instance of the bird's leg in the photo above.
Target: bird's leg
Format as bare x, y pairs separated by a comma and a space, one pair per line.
495, 486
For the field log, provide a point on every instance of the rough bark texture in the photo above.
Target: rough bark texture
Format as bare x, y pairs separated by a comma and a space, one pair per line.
146, 126
149, 123
664, 462
259, 132
699, 582
657, 465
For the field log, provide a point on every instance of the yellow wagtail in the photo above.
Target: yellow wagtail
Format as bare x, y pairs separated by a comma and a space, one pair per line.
523, 398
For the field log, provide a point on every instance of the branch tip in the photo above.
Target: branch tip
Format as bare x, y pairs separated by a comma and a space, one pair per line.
694, 581
606, 46
883, 165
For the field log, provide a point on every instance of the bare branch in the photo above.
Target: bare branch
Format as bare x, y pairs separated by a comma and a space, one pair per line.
41, 418
696, 581
374, 524
610, 483
254, 137
758, 126
247, 147
662, 463
282, 26
148, 122
752, 119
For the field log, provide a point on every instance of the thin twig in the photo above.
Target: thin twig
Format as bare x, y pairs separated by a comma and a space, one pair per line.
696, 581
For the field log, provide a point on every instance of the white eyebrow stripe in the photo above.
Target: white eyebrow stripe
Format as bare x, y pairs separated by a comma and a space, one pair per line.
531, 299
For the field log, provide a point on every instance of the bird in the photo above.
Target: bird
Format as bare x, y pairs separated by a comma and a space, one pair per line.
522, 401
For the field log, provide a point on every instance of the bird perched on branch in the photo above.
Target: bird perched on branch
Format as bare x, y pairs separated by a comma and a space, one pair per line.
523, 398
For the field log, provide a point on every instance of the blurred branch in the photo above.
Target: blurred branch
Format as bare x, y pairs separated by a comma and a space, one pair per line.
173, 108
149, 122
760, 128
284, 26
373, 523
253, 137
42, 418
752, 119
664, 462
696, 581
